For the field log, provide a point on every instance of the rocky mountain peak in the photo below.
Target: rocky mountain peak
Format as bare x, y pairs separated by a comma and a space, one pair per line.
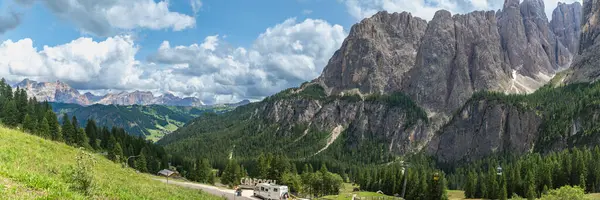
585, 66
58, 91
566, 25
511, 4
591, 26
515, 50
375, 55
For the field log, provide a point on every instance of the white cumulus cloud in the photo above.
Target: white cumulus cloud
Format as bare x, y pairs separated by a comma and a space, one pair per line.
104, 17
109, 64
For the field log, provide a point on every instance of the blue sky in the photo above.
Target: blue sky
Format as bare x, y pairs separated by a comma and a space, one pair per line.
217, 50
240, 21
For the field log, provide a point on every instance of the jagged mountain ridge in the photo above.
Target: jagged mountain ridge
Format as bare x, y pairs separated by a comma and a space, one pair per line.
585, 67
553, 118
63, 93
513, 50
438, 64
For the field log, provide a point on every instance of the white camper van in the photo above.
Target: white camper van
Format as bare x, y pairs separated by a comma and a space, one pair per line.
271, 191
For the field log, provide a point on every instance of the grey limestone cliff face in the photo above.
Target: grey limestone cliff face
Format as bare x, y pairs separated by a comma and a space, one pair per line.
586, 65
356, 119
460, 54
442, 62
483, 128
566, 25
376, 54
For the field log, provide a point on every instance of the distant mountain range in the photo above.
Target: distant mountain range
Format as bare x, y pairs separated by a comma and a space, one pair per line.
61, 92
149, 121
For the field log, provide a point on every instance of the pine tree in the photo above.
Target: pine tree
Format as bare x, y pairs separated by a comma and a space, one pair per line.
55, 132
531, 192
29, 124
75, 122
140, 162
263, 166
44, 129
211, 178
116, 153
80, 139
471, 184
10, 114
503, 194
91, 130
68, 130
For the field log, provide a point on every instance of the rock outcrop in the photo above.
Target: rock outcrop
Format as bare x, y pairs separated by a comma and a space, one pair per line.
566, 25
441, 63
52, 92
376, 54
586, 65
484, 128
459, 55
360, 119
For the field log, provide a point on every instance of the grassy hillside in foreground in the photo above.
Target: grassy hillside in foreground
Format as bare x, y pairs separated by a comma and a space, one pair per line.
34, 168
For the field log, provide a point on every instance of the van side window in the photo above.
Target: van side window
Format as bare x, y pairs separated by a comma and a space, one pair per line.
275, 190
262, 189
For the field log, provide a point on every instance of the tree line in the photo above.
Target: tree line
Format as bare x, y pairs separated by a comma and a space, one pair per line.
529, 176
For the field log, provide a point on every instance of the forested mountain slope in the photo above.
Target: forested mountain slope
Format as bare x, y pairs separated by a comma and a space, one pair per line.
304, 122
150, 121
496, 124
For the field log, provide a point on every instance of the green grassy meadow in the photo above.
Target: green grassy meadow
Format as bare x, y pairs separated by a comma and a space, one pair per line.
35, 168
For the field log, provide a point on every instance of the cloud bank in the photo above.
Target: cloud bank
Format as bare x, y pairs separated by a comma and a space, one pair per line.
283, 56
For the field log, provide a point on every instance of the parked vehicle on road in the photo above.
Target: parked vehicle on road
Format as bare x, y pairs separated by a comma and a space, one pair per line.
271, 191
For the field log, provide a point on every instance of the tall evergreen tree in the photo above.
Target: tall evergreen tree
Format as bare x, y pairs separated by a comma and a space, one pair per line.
54, 126
44, 129
75, 122
10, 114
68, 130
29, 124
91, 130
80, 139
140, 162
116, 153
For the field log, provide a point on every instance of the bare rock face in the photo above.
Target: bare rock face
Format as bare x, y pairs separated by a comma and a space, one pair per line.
459, 55
530, 45
483, 128
586, 65
53, 92
126, 98
566, 25
63, 93
362, 120
441, 63
376, 54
